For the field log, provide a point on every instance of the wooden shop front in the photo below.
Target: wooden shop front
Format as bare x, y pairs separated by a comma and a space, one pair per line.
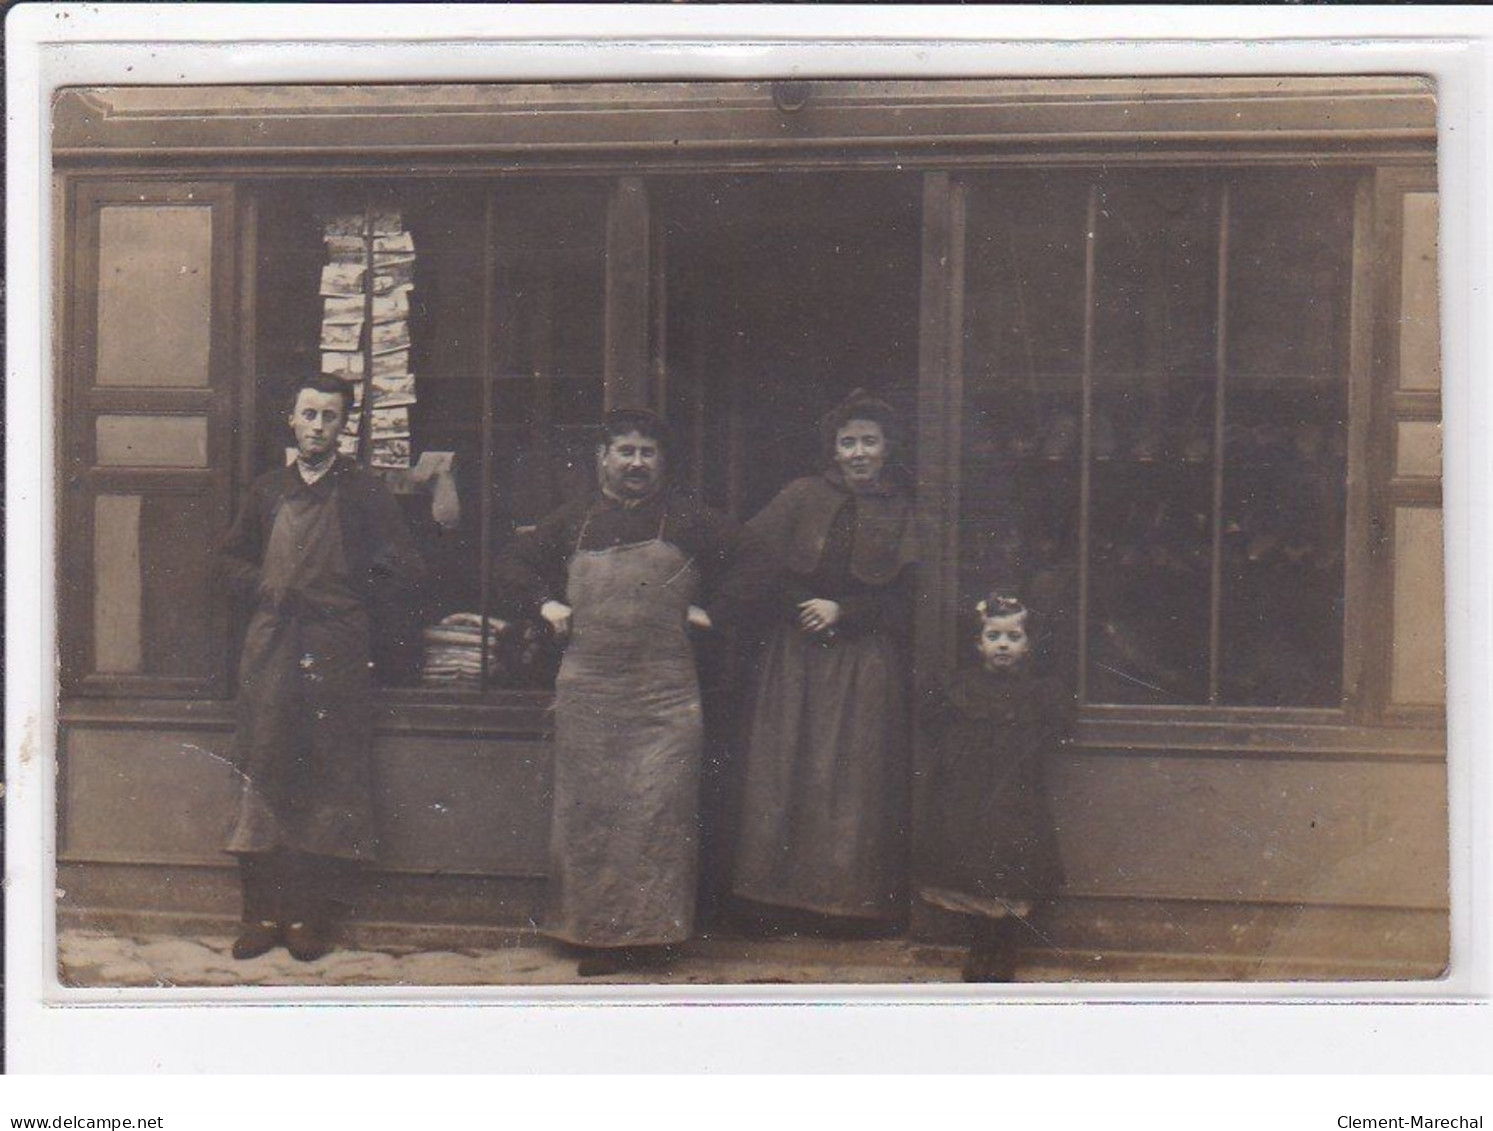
1170, 353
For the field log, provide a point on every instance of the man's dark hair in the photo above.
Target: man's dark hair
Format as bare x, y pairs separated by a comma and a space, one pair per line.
645, 422
323, 383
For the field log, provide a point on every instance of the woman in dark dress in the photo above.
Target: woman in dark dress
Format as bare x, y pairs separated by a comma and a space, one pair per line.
825, 812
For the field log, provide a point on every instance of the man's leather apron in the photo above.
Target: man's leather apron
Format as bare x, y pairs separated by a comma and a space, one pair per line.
304, 741
628, 742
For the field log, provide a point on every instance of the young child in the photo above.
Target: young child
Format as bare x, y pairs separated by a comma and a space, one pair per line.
989, 851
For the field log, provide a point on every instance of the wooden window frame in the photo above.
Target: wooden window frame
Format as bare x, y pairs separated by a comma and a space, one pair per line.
81, 401
1391, 406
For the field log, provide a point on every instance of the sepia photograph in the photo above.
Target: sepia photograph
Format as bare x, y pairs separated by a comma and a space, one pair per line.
813, 532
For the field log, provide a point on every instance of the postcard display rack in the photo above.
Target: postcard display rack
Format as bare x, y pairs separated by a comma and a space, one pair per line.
365, 332
365, 341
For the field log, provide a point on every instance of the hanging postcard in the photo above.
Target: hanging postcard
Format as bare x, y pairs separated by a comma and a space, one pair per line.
398, 242
346, 249
344, 365
392, 364
395, 271
391, 336
342, 279
390, 453
345, 224
395, 304
341, 336
389, 423
386, 222
391, 391
343, 308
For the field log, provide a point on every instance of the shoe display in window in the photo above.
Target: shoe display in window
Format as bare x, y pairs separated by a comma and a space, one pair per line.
1147, 446
1062, 438
1297, 551
1196, 444
1262, 546
1102, 440
1309, 442
1023, 443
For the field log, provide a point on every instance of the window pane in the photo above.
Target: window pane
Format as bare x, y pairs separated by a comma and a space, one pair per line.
117, 583
152, 589
1285, 471
548, 314
1420, 323
155, 295
1151, 439
1419, 607
177, 595
1023, 341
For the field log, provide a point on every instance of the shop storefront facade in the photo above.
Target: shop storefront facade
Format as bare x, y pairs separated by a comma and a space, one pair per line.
1170, 353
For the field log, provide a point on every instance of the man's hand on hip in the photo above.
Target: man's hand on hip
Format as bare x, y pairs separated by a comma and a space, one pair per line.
698, 618
556, 614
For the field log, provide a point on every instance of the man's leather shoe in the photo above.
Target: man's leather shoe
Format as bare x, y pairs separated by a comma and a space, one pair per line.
255, 939
305, 942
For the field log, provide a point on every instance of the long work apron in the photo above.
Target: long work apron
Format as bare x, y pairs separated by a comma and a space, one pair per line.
628, 744
304, 735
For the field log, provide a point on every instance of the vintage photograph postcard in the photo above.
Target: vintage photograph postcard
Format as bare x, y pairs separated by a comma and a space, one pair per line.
813, 532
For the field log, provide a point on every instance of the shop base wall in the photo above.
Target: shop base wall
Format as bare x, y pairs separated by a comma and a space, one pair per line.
1178, 867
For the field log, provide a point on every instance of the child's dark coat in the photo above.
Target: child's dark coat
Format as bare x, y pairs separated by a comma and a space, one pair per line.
988, 833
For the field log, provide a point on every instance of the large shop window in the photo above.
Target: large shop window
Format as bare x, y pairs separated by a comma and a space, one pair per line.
506, 350
1155, 425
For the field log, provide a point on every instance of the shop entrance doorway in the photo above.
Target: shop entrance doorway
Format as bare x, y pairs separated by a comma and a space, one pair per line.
776, 296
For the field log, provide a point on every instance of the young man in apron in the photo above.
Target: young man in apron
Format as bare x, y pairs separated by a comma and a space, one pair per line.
312, 545
622, 579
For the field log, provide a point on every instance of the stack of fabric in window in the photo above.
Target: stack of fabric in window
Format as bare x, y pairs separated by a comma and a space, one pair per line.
519, 654
453, 650
368, 279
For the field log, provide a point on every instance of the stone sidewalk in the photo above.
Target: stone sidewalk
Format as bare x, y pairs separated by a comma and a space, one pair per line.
90, 957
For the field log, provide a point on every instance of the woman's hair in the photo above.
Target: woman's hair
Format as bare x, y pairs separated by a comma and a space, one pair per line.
861, 405
322, 383
645, 422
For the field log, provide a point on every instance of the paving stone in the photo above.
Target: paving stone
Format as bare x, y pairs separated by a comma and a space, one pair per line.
126, 972
181, 954
77, 948
93, 959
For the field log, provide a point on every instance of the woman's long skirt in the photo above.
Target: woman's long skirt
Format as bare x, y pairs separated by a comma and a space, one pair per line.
825, 811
